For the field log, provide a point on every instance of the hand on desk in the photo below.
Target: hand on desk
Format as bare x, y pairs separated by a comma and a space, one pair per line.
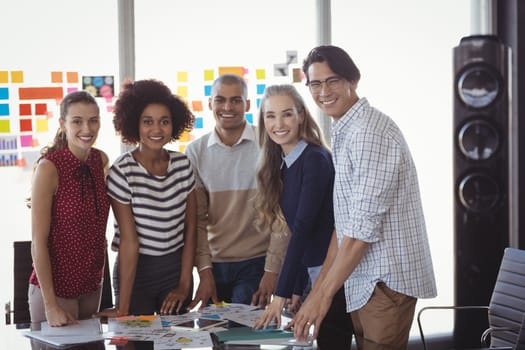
56, 316
205, 291
174, 300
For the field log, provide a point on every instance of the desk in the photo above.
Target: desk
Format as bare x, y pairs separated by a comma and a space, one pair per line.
13, 338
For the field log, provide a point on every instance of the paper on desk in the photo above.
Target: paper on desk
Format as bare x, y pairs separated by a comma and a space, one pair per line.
82, 327
61, 340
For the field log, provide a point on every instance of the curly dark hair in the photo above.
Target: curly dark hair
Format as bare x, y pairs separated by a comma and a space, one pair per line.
136, 96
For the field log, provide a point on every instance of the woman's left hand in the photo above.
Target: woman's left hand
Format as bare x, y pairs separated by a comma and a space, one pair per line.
174, 300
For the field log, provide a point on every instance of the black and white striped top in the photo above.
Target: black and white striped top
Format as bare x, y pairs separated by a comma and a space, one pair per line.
158, 202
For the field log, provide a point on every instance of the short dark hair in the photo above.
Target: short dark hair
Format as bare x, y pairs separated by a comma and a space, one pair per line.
136, 96
337, 59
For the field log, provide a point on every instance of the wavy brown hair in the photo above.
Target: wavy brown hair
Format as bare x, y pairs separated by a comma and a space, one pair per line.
269, 181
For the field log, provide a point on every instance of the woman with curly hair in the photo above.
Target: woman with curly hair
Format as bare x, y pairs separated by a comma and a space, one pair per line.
152, 195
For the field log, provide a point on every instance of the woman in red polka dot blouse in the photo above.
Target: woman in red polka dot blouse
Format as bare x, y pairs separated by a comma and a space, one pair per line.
69, 212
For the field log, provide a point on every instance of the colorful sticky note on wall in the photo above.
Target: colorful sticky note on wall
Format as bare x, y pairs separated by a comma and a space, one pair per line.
42, 125
4, 93
56, 77
4, 109
26, 125
231, 70
260, 74
17, 76
260, 89
196, 106
5, 125
199, 123
182, 77
182, 91
26, 140
72, 77
249, 117
25, 109
207, 90
41, 109
209, 74
4, 77
40, 93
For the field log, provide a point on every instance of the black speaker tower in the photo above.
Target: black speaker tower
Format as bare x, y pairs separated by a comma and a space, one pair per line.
481, 173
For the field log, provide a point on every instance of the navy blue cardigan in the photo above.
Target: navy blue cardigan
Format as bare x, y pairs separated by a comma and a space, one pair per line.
307, 205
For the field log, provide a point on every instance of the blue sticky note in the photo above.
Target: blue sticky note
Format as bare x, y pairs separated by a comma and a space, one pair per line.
199, 123
211, 316
4, 109
4, 93
207, 90
260, 89
249, 118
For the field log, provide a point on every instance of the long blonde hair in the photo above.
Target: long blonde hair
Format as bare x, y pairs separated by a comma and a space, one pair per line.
269, 181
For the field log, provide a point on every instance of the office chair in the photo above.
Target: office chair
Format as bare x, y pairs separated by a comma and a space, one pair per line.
22, 268
506, 310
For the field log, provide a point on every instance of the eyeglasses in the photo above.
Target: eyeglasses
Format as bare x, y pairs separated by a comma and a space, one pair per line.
332, 83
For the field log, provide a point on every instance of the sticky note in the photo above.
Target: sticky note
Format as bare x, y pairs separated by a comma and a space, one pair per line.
40, 93
42, 125
182, 91
4, 109
4, 77
26, 125
40, 109
199, 123
25, 109
207, 90
56, 77
260, 74
249, 117
209, 74
196, 106
17, 76
231, 70
182, 77
4, 93
5, 125
72, 77
26, 140
260, 89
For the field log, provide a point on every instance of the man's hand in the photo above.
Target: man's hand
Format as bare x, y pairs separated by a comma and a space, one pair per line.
267, 286
174, 300
205, 291
311, 313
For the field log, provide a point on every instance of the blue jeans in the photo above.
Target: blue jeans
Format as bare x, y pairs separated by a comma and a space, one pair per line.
237, 281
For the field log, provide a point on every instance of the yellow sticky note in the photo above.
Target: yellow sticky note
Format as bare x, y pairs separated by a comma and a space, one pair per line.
4, 77
182, 91
42, 125
17, 76
182, 77
260, 74
184, 137
209, 74
5, 125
